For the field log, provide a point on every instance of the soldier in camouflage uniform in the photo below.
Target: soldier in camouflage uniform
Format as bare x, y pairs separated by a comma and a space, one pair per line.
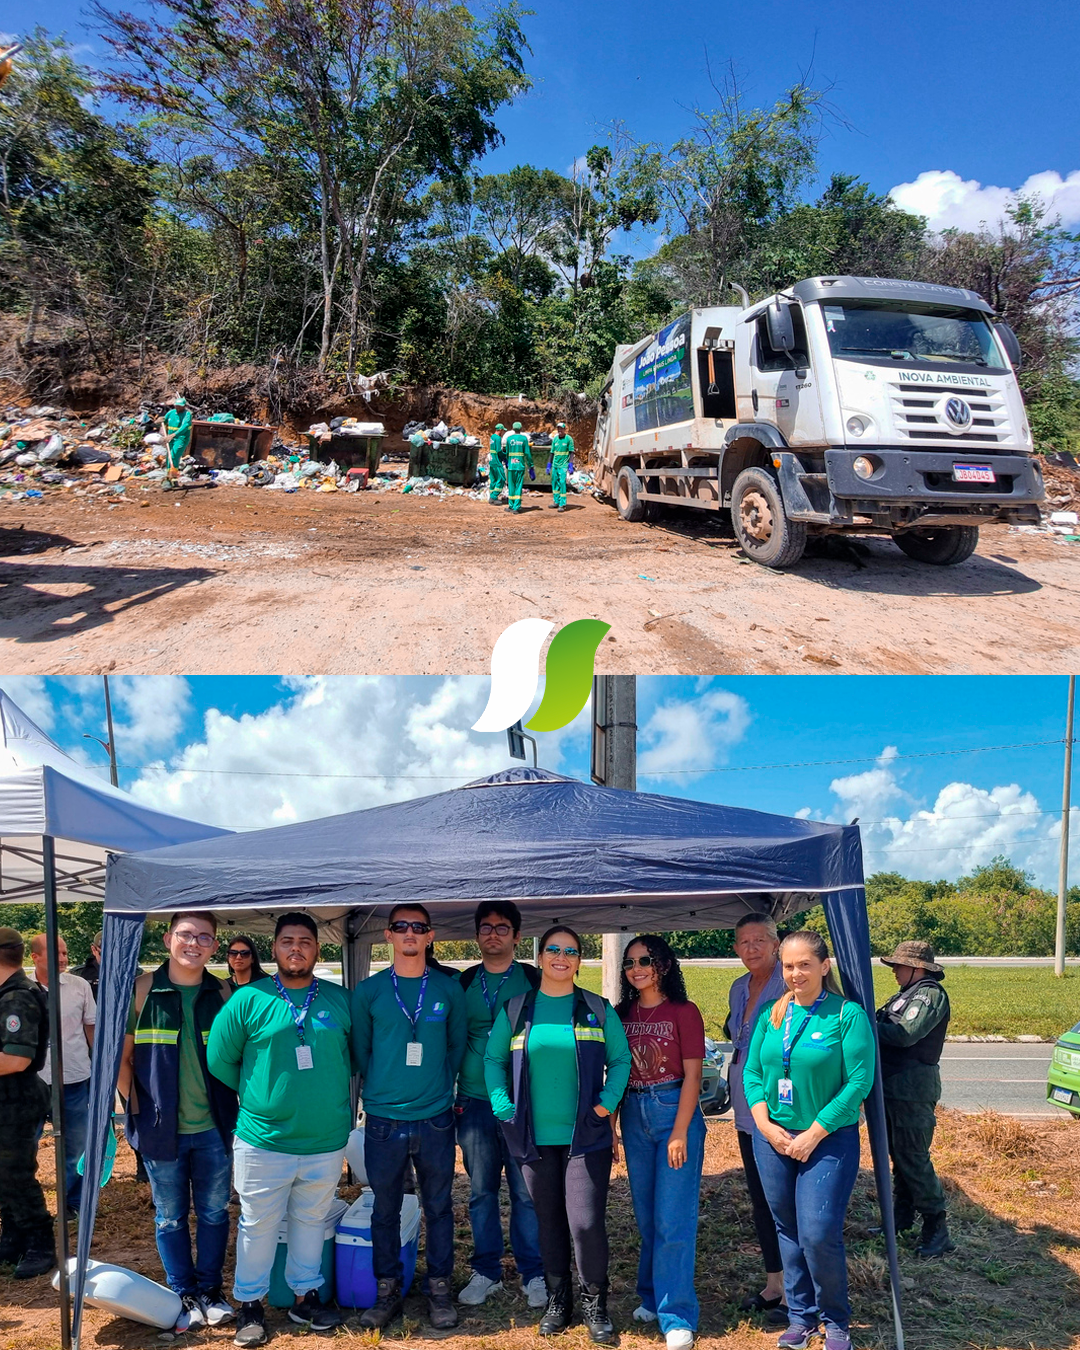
911, 1030
26, 1236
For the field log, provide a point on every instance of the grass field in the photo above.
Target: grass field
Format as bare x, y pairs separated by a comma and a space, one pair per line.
986, 1001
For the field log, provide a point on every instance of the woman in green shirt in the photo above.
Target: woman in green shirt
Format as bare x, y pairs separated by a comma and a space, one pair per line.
809, 1067
556, 1067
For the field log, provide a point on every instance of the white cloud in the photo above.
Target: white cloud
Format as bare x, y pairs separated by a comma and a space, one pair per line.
29, 692
148, 713
951, 202
692, 734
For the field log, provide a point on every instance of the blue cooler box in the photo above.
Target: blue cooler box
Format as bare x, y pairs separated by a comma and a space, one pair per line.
281, 1296
355, 1277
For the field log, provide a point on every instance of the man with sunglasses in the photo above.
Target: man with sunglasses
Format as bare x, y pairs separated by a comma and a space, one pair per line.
409, 1032
488, 987
283, 1043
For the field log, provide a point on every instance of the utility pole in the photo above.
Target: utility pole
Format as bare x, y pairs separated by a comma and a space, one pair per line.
1063, 868
614, 764
108, 746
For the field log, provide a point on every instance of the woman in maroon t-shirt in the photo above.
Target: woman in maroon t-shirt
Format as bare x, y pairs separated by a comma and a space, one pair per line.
663, 1133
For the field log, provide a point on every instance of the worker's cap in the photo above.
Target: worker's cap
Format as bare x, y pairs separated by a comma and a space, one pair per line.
920, 955
517, 426
11, 937
499, 426
95, 941
561, 425
178, 401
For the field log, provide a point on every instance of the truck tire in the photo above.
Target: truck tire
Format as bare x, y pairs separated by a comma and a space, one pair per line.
945, 546
760, 522
627, 502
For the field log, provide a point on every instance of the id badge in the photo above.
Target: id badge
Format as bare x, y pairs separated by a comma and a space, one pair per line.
414, 1054
785, 1092
303, 1057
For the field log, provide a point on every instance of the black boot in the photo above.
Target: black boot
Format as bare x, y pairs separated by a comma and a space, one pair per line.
935, 1236
594, 1313
12, 1247
386, 1308
560, 1307
441, 1311
39, 1259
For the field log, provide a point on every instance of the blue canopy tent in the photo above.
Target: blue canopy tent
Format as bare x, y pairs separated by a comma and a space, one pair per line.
601, 859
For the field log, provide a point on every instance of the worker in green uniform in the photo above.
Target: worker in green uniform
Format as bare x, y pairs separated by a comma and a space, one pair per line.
560, 464
517, 450
911, 1030
176, 428
26, 1236
496, 465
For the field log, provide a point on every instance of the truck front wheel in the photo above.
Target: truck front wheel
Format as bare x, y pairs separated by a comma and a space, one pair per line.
627, 501
760, 523
944, 547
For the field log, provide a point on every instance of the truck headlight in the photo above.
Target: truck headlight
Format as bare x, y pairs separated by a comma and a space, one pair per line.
857, 425
864, 468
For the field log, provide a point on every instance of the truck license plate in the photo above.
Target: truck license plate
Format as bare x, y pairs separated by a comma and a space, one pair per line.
1062, 1095
973, 473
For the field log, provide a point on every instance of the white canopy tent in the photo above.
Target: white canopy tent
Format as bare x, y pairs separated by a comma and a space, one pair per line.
58, 823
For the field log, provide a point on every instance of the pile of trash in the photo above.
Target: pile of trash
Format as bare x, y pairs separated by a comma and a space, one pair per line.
439, 431
1061, 509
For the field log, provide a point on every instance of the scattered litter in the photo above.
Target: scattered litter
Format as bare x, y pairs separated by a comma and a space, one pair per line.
643, 577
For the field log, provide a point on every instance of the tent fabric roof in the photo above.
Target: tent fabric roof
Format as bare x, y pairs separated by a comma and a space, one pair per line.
559, 848
43, 791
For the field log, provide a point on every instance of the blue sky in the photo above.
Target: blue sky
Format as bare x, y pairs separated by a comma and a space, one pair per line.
980, 96
246, 752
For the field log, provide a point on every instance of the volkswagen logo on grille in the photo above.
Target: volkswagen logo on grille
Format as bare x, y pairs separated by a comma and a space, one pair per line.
958, 413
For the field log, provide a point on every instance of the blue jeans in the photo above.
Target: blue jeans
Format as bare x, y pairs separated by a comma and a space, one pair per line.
809, 1201
201, 1175
388, 1145
76, 1109
483, 1147
665, 1204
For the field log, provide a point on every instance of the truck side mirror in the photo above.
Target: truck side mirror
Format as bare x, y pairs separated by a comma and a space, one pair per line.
780, 327
1011, 345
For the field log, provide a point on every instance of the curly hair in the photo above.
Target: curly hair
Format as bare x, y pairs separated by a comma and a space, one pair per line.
672, 984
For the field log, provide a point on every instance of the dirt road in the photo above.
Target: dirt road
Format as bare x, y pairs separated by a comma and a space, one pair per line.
234, 580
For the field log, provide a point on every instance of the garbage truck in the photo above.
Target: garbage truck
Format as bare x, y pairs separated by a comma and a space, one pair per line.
844, 405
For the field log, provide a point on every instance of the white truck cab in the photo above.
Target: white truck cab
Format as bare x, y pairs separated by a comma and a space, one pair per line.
860, 405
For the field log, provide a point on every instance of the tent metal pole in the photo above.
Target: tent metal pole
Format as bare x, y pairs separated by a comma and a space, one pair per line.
614, 765
56, 1067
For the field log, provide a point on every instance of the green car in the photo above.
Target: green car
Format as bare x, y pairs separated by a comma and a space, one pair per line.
1063, 1080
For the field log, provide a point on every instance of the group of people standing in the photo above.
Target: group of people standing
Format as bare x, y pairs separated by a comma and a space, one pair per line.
510, 455
246, 1083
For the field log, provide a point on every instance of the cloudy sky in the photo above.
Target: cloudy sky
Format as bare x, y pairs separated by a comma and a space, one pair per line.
954, 107
943, 773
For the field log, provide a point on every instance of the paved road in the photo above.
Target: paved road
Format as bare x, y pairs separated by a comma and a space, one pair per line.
1005, 1077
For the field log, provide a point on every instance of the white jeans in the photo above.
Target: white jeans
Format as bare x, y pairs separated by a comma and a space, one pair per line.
274, 1187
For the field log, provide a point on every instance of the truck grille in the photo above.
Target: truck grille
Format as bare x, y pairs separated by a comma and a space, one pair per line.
915, 413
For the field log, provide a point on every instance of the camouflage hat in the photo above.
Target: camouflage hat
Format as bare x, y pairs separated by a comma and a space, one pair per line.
920, 955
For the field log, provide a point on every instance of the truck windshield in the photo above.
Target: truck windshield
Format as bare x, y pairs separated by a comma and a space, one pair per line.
904, 332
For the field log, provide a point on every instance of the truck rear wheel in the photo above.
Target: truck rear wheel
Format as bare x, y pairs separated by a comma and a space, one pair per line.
627, 501
946, 546
760, 523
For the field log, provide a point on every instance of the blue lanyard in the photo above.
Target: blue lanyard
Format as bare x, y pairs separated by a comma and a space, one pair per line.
791, 1041
298, 1017
492, 999
414, 1018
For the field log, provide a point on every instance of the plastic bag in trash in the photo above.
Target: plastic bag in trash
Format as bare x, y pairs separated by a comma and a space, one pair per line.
52, 450
154, 438
26, 459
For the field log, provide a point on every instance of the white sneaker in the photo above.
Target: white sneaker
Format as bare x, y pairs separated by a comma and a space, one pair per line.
479, 1290
679, 1339
536, 1292
192, 1317
642, 1314
216, 1307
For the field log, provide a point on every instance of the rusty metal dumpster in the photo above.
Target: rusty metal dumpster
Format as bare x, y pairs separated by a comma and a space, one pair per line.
224, 445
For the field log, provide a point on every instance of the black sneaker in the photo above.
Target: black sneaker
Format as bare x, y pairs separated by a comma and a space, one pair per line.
309, 1312
385, 1309
441, 1311
250, 1325
36, 1261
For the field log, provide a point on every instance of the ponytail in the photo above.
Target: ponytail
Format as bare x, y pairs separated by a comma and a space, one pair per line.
818, 947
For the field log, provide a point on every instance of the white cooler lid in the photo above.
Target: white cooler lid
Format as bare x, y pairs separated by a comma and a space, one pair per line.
354, 1229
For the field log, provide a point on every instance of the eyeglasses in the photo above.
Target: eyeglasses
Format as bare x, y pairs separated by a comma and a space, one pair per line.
554, 950
240, 951
195, 939
499, 929
629, 962
406, 926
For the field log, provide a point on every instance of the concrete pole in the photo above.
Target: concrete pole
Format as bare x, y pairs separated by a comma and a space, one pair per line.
1063, 868
614, 765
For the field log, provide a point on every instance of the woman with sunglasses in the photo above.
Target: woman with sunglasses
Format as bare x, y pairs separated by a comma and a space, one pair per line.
243, 959
663, 1132
556, 1067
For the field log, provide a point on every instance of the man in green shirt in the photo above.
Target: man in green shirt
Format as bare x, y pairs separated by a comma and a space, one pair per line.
518, 451
409, 1033
488, 987
496, 465
560, 464
283, 1044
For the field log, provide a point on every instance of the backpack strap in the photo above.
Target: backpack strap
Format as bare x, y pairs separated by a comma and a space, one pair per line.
142, 989
468, 975
532, 974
